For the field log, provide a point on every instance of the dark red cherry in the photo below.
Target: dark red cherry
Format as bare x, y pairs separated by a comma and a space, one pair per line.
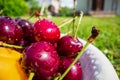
75, 72
68, 46
42, 58
10, 31
27, 30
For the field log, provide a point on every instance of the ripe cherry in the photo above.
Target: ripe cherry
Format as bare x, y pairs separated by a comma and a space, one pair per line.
42, 58
10, 31
68, 46
75, 72
27, 28
45, 30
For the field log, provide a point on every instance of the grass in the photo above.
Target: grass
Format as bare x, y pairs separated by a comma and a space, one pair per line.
109, 39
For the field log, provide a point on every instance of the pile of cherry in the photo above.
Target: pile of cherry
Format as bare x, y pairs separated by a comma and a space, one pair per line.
45, 52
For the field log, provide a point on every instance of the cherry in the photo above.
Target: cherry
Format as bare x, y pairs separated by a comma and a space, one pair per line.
45, 30
27, 30
75, 72
42, 58
10, 32
68, 46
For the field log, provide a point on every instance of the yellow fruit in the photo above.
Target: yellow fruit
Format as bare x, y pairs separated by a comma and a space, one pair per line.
10, 68
10, 53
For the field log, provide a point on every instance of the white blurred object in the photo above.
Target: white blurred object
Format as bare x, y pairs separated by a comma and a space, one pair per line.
95, 65
56, 4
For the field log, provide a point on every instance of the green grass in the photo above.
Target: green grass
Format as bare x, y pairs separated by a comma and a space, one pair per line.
109, 39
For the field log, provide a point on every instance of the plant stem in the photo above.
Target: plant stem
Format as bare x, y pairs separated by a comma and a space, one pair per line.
75, 60
66, 23
63, 21
30, 16
31, 76
42, 8
74, 15
9, 45
67, 33
81, 16
56, 78
1, 11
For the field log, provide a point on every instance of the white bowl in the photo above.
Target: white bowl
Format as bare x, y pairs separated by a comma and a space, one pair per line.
95, 65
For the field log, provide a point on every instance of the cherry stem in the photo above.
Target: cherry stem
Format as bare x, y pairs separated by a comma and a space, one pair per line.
1, 11
68, 32
43, 8
38, 14
9, 45
95, 33
31, 76
57, 77
81, 16
66, 23
30, 16
65, 20
74, 14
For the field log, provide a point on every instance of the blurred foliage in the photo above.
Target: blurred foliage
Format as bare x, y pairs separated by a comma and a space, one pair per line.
34, 5
13, 7
65, 11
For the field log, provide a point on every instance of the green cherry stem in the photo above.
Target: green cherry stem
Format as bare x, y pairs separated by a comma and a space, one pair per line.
57, 77
81, 16
1, 11
31, 76
9, 45
95, 33
30, 16
68, 32
74, 15
65, 23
